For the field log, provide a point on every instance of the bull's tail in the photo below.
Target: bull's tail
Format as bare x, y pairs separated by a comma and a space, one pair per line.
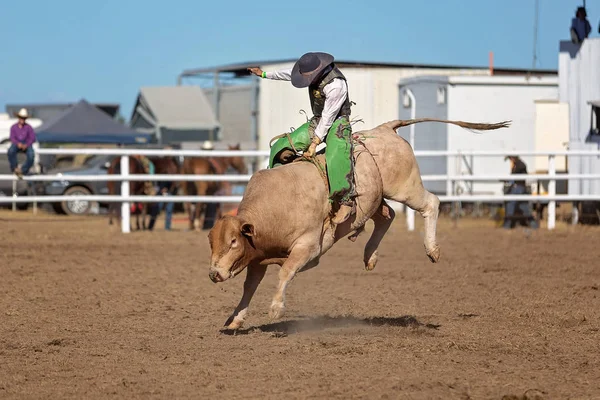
475, 126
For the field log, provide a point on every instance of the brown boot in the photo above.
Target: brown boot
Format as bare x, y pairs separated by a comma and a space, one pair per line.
343, 214
18, 172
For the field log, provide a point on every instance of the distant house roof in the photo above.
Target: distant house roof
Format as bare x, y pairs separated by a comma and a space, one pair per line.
173, 107
85, 123
46, 111
240, 69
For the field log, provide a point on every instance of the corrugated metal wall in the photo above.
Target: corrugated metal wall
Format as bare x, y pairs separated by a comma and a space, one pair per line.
579, 77
235, 114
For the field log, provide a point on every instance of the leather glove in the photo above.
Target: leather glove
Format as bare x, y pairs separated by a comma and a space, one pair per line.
312, 148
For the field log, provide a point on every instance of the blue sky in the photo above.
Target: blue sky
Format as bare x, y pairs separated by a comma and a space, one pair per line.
63, 50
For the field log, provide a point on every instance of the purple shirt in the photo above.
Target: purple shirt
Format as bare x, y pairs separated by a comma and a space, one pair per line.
23, 134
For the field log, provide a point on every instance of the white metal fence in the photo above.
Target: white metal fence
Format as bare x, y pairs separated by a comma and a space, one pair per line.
126, 198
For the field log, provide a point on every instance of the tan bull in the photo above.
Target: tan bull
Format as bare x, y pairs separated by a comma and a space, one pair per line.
284, 216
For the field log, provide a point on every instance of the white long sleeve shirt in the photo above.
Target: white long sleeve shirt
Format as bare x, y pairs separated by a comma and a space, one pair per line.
335, 91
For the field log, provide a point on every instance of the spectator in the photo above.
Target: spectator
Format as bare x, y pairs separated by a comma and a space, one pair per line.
518, 187
580, 26
165, 188
22, 138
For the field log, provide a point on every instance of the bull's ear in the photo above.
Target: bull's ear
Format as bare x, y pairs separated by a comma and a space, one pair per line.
248, 230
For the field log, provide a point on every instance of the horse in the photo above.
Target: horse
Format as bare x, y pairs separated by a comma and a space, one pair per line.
207, 166
135, 187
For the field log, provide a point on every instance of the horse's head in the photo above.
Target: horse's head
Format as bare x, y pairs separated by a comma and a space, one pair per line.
237, 162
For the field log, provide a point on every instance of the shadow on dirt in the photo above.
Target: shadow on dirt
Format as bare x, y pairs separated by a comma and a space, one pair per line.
294, 326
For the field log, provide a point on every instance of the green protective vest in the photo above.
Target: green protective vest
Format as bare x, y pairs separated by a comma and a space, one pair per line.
317, 95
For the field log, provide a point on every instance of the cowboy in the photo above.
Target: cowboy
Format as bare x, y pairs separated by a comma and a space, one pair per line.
328, 94
22, 138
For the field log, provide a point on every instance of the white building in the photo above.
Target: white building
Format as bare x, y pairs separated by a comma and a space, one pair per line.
579, 77
273, 107
485, 99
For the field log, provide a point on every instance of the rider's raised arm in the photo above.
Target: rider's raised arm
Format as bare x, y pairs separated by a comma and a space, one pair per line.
281, 75
335, 95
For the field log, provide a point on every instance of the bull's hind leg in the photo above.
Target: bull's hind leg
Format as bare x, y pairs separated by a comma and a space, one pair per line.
427, 204
300, 256
254, 275
383, 219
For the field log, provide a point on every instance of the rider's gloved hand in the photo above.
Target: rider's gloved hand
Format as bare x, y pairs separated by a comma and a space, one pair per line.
256, 71
312, 148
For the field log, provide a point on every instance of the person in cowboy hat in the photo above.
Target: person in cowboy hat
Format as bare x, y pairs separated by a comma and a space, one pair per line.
328, 94
207, 145
22, 138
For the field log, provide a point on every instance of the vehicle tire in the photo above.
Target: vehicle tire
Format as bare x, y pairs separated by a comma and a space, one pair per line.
76, 207
58, 208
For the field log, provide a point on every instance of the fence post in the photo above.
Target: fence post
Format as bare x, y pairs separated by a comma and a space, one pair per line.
14, 195
552, 191
125, 206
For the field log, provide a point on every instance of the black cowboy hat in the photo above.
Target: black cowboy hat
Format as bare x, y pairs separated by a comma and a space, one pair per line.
309, 67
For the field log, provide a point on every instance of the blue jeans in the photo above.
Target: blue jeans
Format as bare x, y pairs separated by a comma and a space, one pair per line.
12, 158
523, 206
156, 210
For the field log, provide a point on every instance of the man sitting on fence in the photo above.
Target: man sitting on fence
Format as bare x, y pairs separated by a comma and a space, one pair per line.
22, 138
518, 187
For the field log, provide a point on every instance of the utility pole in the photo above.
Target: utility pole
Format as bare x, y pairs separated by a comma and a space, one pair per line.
535, 33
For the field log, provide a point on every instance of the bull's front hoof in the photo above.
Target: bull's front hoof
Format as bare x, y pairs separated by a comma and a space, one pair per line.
371, 262
234, 325
434, 255
277, 311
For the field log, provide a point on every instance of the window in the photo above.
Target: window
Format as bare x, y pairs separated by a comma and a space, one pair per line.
441, 95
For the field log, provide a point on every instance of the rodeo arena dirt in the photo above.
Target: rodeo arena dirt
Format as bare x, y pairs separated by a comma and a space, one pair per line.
87, 312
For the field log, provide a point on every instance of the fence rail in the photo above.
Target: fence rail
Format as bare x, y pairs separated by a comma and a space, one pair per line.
124, 177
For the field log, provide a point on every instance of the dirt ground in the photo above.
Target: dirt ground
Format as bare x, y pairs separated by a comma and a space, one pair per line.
86, 312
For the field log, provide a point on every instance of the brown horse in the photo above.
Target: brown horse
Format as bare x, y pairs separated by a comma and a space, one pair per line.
162, 166
208, 166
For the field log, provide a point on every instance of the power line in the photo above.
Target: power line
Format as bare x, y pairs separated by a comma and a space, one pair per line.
535, 34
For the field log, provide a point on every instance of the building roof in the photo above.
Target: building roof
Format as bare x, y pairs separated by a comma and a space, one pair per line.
240, 69
493, 80
174, 107
45, 111
85, 123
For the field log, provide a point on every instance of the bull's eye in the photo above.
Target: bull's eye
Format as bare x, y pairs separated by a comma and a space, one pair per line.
233, 241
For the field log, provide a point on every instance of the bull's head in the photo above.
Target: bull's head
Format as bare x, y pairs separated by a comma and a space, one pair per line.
231, 248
